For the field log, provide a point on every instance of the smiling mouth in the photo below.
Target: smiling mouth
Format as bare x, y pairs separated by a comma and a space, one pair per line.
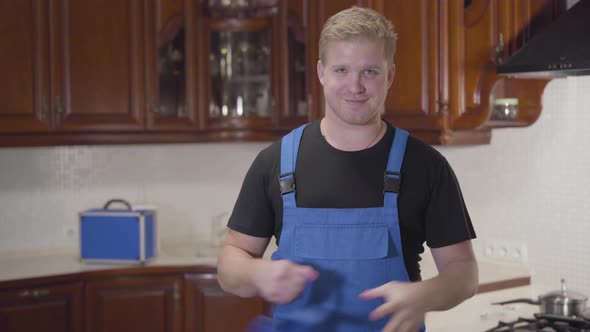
356, 103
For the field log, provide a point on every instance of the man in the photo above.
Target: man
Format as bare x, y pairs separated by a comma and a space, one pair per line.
351, 200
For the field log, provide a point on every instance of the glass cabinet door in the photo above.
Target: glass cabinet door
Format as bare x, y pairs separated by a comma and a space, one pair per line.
240, 72
257, 63
171, 78
172, 65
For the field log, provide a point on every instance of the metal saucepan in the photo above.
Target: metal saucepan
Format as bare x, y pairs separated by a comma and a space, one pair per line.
563, 302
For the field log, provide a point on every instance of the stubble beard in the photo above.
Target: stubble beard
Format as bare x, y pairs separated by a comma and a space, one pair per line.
360, 117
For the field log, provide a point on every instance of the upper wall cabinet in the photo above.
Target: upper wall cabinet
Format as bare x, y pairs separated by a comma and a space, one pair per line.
89, 71
128, 71
226, 70
414, 101
73, 66
254, 56
171, 65
24, 83
482, 34
98, 64
445, 86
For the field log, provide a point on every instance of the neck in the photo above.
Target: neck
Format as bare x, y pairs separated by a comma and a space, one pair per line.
347, 137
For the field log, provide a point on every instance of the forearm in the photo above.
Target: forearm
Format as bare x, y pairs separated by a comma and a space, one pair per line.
236, 271
455, 283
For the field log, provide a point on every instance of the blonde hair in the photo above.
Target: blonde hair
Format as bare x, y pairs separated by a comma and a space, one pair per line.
358, 22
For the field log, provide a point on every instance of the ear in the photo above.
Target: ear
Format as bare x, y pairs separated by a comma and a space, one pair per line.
390, 75
320, 71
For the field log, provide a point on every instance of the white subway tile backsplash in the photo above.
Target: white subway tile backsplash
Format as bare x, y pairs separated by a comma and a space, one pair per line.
42, 190
531, 185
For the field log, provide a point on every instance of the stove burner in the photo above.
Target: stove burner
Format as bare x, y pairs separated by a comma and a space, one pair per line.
544, 323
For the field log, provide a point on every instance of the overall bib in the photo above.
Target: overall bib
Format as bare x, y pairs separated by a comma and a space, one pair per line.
352, 249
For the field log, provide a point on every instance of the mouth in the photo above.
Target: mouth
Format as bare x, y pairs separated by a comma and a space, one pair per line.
356, 101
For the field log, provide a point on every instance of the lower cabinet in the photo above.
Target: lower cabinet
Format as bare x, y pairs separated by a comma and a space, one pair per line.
142, 299
210, 309
42, 308
134, 304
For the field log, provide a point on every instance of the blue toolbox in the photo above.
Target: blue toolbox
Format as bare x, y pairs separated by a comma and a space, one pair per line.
117, 235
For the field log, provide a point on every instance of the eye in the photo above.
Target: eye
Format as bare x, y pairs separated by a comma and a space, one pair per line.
340, 70
370, 72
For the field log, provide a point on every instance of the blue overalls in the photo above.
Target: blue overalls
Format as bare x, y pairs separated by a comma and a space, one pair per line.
352, 249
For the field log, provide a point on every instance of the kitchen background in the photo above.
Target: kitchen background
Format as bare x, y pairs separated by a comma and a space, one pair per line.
529, 187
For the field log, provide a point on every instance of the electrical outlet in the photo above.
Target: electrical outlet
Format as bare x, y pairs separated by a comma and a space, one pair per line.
509, 251
70, 233
218, 228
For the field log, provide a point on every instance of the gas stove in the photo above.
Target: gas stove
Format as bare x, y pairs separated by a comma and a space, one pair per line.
544, 323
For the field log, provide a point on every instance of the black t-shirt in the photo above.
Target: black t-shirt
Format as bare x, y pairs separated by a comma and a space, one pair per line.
430, 203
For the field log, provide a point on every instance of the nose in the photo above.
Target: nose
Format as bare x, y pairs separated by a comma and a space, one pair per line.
356, 84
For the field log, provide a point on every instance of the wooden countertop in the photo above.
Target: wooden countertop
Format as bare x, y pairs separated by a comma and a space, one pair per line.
492, 275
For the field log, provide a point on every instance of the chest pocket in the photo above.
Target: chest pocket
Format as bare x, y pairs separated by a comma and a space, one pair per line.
341, 241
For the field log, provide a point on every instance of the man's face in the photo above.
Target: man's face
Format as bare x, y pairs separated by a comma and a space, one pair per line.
355, 77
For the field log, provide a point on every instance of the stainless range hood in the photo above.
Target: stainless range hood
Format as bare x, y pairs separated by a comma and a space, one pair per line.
562, 49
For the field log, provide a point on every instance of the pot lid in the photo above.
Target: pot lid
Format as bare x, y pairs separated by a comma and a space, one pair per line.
564, 295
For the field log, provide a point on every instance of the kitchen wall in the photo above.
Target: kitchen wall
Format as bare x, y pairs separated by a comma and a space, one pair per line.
530, 186
42, 190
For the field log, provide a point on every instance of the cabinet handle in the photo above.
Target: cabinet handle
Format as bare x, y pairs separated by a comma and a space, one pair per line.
58, 106
176, 295
45, 109
155, 108
499, 49
34, 293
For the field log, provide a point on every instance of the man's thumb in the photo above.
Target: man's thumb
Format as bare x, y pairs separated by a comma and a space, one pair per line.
309, 273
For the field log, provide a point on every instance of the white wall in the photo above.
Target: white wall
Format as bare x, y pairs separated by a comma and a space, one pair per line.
531, 186
42, 190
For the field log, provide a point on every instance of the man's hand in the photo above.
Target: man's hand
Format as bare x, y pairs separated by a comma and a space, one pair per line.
406, 301
282, 281
409, 302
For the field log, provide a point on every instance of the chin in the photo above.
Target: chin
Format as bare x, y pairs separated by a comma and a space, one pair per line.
358, 118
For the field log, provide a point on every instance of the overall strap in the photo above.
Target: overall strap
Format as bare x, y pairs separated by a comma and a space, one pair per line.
392, 177
289, 149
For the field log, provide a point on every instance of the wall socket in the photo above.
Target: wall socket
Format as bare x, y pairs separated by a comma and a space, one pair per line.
70, 233
218, 228
508, 251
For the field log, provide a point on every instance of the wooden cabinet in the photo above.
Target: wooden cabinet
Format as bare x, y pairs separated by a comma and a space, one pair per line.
138, 303
42, 308
90, 71
413, 102
447, 52
256, 68
483, 33
142, 299
97, 57
210, 309
24, 63
72, 66
172, 70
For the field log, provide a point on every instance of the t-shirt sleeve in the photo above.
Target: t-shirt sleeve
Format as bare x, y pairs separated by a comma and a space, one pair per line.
447, 220
253, 214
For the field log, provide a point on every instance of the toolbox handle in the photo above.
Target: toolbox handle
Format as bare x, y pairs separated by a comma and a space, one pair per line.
117, 200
